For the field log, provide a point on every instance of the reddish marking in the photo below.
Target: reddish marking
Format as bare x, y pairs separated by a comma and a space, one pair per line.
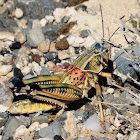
76, 76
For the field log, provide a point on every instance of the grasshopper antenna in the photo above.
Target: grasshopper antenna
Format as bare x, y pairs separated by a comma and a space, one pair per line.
102, 20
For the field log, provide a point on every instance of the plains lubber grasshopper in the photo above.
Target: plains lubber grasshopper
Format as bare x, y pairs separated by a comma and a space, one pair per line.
74, 82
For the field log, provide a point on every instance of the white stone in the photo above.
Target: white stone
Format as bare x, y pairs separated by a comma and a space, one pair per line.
21, 132
116, 122
20, 36
25, 70
34, 127
43, 125
42, 61
7, 35
22, 23
36, 23
5, 69
63, 54
36, 68
75, 40
36, 51
43, 22
50, 64
110, 90
7, 58
49, 18
120, 136
59, 14
71, 50
44, 46
18, 13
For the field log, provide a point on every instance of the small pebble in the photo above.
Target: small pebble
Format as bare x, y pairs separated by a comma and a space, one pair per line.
36, 23
43, 22
66, 64
36, 68
45, 70
71, 50
5, 69
65, 19
63, 55
58, 14
57, 68
116, 122
75, 40
49, 18
84, 33
36, 58
50, 56
62, 44
22, 23
52, 47
44, 46
15, 45
50, 64
91, 12
21, 132
20, 36
18, 13
57, 137
34, 127
25, 70
77, 49
7, 35
8, 58
42, 62
110, 90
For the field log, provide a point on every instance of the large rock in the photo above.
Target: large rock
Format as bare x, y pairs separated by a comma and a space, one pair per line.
35, 36
124, 64
6, 96
50, 131
10, 127
37, 9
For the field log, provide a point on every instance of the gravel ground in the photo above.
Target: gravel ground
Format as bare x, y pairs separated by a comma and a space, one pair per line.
40, 37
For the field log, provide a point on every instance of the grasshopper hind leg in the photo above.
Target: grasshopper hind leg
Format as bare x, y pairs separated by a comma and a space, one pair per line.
58, 114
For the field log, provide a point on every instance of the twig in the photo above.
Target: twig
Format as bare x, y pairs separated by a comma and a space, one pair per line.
123, 28
129, 91
115, 106
117, 30
102, 20
120, 108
